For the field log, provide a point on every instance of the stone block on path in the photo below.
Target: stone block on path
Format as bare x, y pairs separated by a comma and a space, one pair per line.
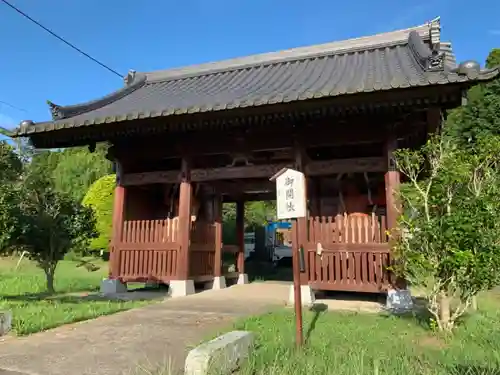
5, 322
220, 356
112, 286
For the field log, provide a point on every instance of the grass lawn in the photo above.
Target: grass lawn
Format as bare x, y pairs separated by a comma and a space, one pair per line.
23, 292
358, 344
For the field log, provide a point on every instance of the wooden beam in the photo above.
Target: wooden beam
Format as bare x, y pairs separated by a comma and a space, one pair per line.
376, 103
232, 187
355, 165
313, 168
202, 175
206, 143
250, 197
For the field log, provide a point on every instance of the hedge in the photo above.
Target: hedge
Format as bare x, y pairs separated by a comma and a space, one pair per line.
100, 197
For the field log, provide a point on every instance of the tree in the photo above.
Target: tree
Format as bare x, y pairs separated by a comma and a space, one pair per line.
449, 230
100, 198
10, 164
9, 215
22, 145
256, 214
51, 223
78, 168
480, 117
74, 170
493, 59
45, 160
10, 172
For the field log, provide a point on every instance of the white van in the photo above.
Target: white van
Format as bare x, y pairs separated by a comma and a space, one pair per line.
249, 244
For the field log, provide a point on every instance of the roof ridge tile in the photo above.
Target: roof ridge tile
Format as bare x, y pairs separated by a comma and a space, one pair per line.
428, 31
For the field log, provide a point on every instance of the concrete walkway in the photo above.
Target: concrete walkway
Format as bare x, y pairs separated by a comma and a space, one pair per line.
158, 334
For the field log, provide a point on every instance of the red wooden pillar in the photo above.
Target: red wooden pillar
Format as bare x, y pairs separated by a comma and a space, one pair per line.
317, 197
393, 207
433, 121
240, 234
218, 234
392, 182
185, 193
117, 227
117, 223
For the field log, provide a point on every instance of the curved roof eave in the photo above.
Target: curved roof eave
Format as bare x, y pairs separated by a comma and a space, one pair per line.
412, 62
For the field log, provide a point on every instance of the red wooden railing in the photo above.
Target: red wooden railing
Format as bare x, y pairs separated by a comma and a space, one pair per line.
348, 229
146, 251
202, 250
348, 253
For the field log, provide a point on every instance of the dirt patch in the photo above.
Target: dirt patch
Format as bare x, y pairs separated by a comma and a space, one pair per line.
431, 342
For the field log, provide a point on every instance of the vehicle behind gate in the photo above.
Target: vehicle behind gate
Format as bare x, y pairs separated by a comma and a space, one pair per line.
279, 240
249, 244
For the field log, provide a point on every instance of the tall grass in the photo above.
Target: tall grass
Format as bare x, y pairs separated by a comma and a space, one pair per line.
363, 344
23, 292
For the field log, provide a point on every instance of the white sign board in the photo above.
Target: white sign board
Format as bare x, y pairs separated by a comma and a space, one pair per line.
290, 194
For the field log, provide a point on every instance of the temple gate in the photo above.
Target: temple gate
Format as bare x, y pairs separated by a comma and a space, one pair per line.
186, 140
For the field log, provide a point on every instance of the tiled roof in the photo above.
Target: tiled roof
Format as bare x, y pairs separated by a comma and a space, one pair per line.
400, 59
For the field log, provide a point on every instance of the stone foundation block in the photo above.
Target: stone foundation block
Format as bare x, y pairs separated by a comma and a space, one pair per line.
219, 283
242, 279
220, 356
306, 295
180, 288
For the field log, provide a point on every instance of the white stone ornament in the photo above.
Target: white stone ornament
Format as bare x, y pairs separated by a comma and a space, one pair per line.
399, 301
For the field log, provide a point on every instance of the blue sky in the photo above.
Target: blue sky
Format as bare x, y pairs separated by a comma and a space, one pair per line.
157, 34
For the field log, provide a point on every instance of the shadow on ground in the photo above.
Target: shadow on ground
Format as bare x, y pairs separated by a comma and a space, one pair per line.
318, 309
139, 294
419, 314
422, 316
265, 271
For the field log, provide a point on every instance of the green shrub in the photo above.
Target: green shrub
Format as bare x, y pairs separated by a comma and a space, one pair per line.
100, 197
72, 256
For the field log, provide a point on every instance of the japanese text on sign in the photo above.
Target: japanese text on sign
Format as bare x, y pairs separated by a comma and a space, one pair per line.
290, 206
290, 194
